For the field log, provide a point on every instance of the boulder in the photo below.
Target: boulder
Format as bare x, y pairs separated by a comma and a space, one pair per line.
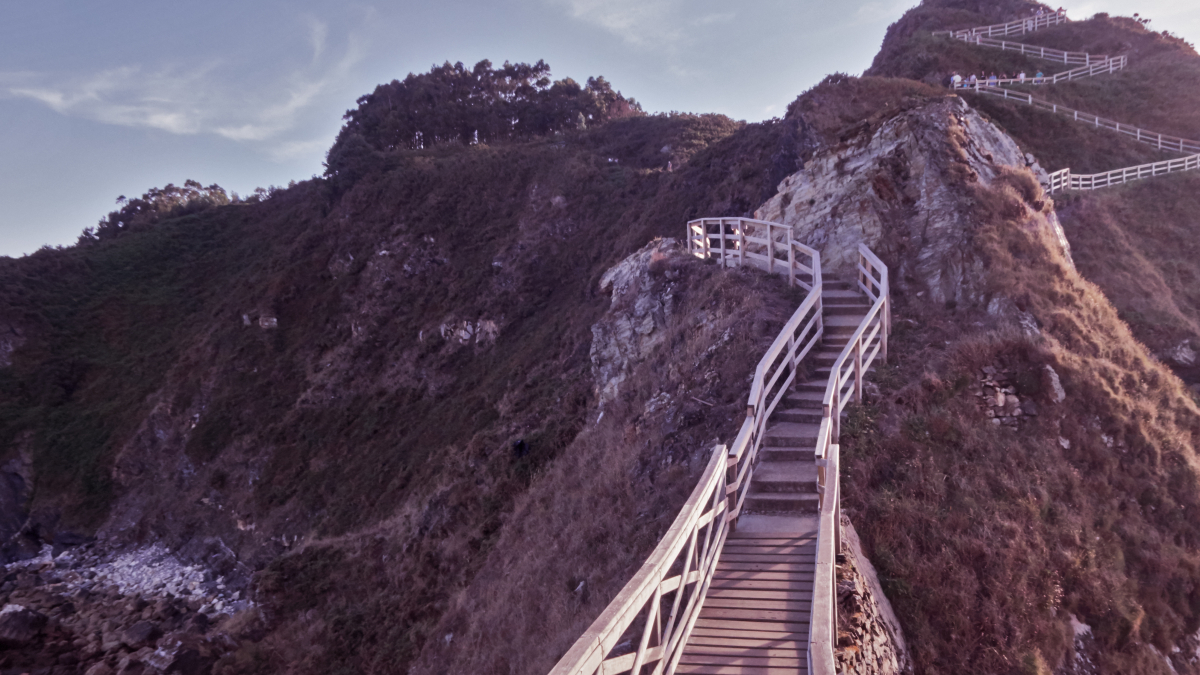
140, 634
20, 626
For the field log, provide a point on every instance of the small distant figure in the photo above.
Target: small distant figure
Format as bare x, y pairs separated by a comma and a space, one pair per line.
669, 167
974, 81
993, 80
1021, 77
955, 81
1038, 77
1062, 12
1039, 13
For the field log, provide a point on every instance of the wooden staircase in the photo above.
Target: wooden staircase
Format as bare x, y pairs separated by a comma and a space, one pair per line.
755, 617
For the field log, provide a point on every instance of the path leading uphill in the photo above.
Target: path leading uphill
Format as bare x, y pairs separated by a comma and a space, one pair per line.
1091, 65
744, 581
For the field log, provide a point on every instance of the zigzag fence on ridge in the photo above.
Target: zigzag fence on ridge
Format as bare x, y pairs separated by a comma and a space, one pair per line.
1064, 179
1160, 141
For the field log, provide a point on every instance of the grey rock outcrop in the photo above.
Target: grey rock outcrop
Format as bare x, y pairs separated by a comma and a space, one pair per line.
640, 307
901, 191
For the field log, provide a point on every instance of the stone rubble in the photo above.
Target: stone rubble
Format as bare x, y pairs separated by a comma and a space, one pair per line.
97, 612
998, 398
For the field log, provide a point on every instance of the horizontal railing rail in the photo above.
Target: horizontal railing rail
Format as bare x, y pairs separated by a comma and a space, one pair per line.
1039, 52
1065, 180
671, 584
673, 581
868, 342
1018, 27
1158, 140
744, 241
1110, 66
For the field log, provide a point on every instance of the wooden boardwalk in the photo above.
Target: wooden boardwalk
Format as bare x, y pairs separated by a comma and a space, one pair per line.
756, 614
755, 617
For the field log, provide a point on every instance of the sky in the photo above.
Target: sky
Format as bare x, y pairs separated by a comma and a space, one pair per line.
105, 99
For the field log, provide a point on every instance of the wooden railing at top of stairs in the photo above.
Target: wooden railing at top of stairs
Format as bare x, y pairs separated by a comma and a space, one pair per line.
664, 598
738, 241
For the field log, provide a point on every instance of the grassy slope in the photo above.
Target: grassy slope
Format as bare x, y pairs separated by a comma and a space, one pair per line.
350, 425
986, 538
1159, 91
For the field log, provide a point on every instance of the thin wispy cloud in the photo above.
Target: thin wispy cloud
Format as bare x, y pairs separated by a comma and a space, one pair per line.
200, 99
666, 25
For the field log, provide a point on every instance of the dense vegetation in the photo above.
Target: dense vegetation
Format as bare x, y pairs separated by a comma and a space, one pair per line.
290, 363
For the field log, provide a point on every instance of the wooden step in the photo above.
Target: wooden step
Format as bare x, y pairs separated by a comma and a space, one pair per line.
791, 435
840, 308
785, 477
776, 502
788, 454
798, 416
841, 324
806, 399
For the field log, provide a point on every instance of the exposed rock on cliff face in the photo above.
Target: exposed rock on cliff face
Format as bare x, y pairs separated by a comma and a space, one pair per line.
909, 181
629, 332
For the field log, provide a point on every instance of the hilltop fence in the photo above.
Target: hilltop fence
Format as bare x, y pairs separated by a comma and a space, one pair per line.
1018, 27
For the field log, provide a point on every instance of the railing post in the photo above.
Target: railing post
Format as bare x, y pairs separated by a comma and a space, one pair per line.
770, 248
791, 260
741, 243
858, 374
724, 262
887, 321
707, 243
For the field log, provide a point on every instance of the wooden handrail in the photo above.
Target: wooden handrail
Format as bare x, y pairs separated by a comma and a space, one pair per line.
1160, 141
868, 342
1109, 66
742, 241
1017, 27
1065, 180
1037, 51
692, 545
716, 502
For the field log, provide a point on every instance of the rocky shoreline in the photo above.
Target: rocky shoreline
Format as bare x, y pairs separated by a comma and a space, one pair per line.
99, 611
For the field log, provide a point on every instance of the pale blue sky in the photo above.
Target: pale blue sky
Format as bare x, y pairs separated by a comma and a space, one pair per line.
103, 99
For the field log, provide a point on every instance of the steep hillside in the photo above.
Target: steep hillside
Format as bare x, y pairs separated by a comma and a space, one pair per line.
350, 396
1150, 225
1024, 477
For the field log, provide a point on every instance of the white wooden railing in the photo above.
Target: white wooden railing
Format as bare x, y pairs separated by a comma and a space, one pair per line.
1108, 66
741, 241
671, 584
1018, 27
868, 342
664, 598
1035, 51
1160, 141
1065, 180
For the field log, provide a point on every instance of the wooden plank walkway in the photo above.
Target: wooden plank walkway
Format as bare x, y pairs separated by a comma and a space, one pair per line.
755, 617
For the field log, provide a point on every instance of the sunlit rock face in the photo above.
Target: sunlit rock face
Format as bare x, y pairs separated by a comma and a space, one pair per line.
903, 191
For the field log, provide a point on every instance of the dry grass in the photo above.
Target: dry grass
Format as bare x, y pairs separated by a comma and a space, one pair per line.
987, 537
